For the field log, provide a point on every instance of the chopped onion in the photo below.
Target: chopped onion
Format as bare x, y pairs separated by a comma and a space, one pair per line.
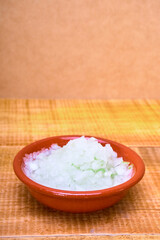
82, 164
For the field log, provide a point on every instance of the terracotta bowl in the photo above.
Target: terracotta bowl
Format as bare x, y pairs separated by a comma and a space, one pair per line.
78, 201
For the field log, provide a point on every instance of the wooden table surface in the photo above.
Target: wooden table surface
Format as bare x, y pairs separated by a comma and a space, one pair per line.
134, 123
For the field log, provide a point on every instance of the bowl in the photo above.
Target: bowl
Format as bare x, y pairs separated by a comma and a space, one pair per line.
78, 201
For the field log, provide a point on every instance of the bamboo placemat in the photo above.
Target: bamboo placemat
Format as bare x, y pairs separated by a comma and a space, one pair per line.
135, 123
85, 237
130, 122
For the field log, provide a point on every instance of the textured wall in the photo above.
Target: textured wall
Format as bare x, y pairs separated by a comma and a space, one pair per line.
80, 48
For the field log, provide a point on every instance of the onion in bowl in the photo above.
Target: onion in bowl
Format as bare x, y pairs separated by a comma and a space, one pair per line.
78, 201
82, 164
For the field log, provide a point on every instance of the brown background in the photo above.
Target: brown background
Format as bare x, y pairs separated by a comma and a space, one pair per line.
80, 48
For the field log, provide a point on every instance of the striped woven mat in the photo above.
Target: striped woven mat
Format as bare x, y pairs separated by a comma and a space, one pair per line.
134, 123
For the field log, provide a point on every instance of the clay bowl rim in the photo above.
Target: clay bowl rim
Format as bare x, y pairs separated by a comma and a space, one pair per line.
138, 166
